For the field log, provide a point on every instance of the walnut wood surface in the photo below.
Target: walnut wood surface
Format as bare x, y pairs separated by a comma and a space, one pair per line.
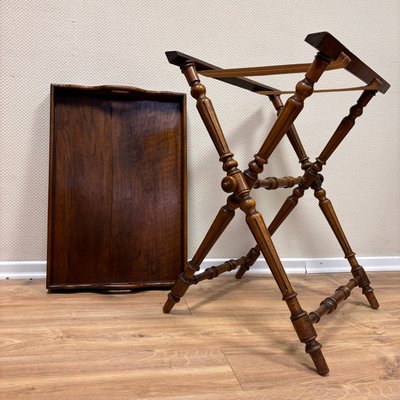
329, 45
340, 62
272, 183
373, 86
323, 41
178, 58
117, 198
240, 184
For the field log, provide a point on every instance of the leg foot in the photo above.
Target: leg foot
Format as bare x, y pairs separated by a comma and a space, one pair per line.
307, 334
314, 350
179, 289
369, 294
357, 270
300, 319
169, 304
363, 282
251, 257
221, 221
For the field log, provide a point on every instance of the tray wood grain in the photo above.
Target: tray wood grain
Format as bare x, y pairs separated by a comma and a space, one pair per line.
117, 188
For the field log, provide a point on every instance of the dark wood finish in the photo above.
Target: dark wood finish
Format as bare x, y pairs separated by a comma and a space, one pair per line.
289, 205
214, 271
330, 303
251, 258
329, 45
177, 58
373, 86
340, 62
356, 269
345, 126
185, 278
300, 319
227, 212
292, 135
241, 188
117, 196
286, 117
272, 183
240, 184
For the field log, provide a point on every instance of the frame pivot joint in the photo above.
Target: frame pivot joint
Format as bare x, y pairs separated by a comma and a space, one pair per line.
235, 183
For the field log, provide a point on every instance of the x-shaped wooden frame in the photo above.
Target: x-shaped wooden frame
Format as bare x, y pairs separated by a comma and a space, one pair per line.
331, 55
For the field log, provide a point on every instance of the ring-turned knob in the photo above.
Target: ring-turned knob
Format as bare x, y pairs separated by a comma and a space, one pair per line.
229, 184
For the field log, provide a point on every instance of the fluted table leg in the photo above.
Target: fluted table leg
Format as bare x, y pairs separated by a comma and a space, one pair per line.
221, 221
300, 319
357, 270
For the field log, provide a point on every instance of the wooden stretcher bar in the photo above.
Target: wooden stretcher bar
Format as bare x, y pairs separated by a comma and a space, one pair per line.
340, 62
373, 86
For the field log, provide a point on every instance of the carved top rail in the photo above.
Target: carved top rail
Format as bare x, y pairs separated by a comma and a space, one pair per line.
324, 42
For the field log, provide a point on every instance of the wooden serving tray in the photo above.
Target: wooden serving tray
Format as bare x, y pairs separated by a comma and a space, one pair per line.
117, 189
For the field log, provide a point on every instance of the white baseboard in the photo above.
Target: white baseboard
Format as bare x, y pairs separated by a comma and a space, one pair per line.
37, 269
319, 265
22, 269
373, 264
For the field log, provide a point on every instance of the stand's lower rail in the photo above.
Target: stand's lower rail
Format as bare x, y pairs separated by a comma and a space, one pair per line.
330, 303
271, 183
213, 272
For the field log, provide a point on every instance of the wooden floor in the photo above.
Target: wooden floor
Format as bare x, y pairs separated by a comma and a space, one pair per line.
226, 340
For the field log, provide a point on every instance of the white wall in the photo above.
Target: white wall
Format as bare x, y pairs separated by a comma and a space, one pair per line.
93, 42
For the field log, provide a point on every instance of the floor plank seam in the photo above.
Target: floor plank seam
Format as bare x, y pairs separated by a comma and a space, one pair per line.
232, 369
187, 305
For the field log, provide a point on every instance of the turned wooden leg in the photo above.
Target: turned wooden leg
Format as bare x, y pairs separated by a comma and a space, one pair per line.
251, 258
345, 126
222, 220
286, 117
357, 270
300, 319
287, 207
291, 201
292, 135
284, 124
227, 212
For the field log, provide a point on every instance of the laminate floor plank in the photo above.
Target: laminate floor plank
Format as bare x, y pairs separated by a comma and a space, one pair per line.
226, 339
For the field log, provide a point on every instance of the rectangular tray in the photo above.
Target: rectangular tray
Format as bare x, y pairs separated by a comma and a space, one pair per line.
117, 188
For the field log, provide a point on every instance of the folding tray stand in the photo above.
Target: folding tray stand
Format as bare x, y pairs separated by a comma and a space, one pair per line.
331, 55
